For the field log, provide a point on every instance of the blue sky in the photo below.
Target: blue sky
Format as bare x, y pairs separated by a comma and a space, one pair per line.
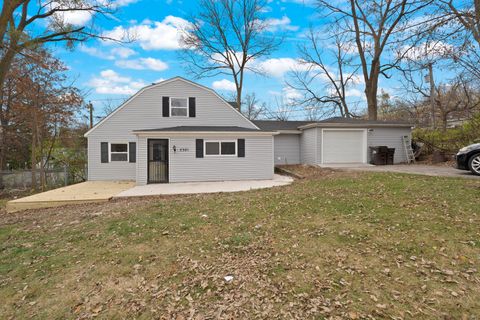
111, 71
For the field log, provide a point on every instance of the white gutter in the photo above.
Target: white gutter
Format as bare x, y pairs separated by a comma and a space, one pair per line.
202, 133
289, 131
355, 125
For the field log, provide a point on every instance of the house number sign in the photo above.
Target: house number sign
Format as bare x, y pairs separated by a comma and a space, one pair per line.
179, 149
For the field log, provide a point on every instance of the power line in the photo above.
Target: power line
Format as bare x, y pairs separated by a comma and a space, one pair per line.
108, 99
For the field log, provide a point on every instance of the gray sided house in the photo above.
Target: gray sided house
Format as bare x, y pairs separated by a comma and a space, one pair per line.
180, 131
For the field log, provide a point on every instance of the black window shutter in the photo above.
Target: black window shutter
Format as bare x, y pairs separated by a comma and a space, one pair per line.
191, 107
104, 152
241, 148
132, 152
166, 106
199, 148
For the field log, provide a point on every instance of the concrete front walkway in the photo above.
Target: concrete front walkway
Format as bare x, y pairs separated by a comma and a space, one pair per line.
90, 191
422, 169
204, 187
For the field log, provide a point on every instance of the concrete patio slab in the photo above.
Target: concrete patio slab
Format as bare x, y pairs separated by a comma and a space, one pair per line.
346, 165
421, 169
204, 187
90, 191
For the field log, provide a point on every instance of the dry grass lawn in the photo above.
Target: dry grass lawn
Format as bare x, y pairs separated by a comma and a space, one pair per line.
336, 245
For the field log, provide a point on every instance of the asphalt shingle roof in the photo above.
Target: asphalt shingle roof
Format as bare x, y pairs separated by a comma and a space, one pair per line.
280, 125
358, 121
201, 128
273, 125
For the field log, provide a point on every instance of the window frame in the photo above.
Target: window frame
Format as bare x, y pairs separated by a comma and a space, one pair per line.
187, 107
110, 152
219, 148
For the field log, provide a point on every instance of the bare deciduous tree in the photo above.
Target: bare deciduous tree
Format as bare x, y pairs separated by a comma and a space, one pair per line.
467, 14
375, 25
322, 83
226, 37
282, 109
455, 98
26, 24
253, 109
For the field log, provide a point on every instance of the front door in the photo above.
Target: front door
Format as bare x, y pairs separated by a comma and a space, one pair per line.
157, 160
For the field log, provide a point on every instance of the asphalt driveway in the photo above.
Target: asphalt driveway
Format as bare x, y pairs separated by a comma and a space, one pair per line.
428, 170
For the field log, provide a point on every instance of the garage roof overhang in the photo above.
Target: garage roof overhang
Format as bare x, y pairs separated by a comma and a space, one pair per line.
289, 131
356, 125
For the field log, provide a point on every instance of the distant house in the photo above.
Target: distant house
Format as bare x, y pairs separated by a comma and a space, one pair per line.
455, 122
180, 131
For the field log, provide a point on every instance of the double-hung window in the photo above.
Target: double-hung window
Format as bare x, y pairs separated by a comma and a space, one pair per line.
220, 148
179, 107
119, 152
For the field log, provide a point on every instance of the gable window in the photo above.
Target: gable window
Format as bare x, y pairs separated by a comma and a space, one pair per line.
118, 152
179, 107
220, 148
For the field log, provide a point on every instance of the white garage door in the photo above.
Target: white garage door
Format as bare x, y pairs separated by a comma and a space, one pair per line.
344, 146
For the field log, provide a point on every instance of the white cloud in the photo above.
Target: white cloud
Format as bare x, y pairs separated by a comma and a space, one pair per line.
153, 35
154, 64
283, 24
224, 84
123, 52
73, 17
142, 64
352, 92
95, 52
291, 94
427, 50
122, 3
112, 54
84, 16
277, 67
110, 82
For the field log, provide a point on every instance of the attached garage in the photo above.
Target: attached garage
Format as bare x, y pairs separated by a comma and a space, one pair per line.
344, 146
335, 140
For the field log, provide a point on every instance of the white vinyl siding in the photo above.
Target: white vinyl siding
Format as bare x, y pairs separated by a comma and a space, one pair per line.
311, 142
308, 146
390, 137
113, 170
287, 149
145, 112
186, 167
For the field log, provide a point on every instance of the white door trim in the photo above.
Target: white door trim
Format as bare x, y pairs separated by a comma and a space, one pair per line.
364, 147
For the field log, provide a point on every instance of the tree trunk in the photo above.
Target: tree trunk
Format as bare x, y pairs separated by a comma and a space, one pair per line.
371, 94
3, 153
239, 99
33, 154
371, 90
42, 170
444, 121
5, 63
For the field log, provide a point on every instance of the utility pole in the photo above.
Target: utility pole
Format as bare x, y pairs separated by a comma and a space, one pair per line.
432, 93
90, 109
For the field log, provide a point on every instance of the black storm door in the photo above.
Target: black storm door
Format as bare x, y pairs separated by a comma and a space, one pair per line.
157, 160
